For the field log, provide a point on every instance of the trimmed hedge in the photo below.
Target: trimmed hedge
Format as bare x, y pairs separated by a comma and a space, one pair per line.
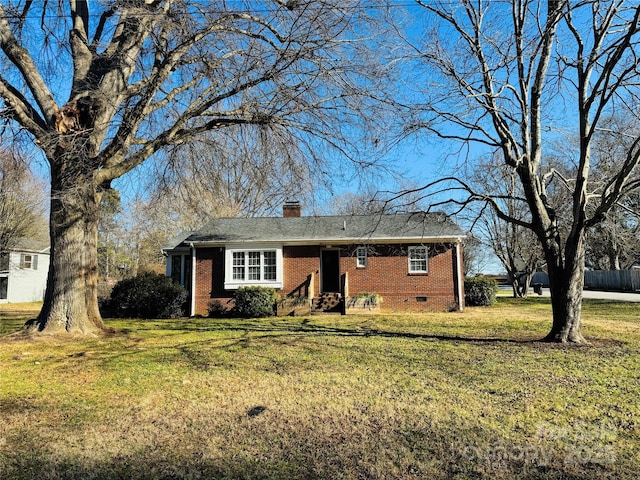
147, 295
480, 291
254, 302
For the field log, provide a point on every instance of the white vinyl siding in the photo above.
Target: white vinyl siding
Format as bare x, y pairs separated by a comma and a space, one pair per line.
24, 277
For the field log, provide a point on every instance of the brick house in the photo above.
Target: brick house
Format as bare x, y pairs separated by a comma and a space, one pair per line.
396, 262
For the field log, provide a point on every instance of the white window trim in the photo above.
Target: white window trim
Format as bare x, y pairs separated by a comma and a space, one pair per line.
231, 284
360, 257
31, 264
413, 249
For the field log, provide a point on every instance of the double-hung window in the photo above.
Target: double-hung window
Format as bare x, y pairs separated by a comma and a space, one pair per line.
418, 259
239, 268
259, 266
28, 261
270, 268
361, 256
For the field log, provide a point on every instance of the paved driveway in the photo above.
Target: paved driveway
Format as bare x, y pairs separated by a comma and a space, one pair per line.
616, 296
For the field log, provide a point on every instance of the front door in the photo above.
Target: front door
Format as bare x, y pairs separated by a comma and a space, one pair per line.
330, 271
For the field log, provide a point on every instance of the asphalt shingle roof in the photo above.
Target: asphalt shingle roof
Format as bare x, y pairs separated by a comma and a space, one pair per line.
25, 244
336, 229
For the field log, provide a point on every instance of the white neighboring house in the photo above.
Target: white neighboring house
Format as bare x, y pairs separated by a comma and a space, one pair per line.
23, 272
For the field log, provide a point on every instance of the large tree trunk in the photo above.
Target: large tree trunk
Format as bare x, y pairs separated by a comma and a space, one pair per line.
71, 300
566, 281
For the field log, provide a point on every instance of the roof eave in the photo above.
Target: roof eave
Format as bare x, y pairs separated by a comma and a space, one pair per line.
329, 241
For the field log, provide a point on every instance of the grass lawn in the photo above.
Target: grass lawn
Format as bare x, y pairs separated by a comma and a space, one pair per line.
455, 395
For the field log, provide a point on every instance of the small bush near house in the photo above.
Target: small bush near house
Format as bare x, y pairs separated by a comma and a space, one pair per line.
480, 291
216, 309
366, 299
147, 295
255, 302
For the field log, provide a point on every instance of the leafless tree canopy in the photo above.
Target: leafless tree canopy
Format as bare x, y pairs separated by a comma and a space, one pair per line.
510, 77
516, 247
157, 73
102, 87
22, 203
241, 172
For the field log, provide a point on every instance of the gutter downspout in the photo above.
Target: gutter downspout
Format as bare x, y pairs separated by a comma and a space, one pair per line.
460, 276
192, 294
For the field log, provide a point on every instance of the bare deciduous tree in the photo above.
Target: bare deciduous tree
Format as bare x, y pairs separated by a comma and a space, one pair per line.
515, 246
242, 172
22, 203
614, 243
140, 76
508, 76
371, 200
475, 257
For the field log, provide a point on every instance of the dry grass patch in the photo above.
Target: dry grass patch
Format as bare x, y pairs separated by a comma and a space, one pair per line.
461, 395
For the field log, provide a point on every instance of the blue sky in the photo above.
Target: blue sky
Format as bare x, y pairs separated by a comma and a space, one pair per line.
420, 159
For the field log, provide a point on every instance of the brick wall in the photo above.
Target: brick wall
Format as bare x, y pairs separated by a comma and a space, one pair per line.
210, 280
386, 273
298, 264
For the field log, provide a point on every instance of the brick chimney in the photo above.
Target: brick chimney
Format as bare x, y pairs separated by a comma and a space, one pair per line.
291, 209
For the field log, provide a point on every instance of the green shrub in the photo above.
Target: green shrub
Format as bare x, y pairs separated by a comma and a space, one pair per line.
147, 295
216, 309
367, 299
253, 302
480, 291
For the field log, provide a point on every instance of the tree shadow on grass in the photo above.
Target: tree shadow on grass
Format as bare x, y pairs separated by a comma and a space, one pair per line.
306, 327
246, 333
293, 453
243, 334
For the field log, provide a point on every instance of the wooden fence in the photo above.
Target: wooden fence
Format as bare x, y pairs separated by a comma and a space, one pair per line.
626, 280
619, 280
